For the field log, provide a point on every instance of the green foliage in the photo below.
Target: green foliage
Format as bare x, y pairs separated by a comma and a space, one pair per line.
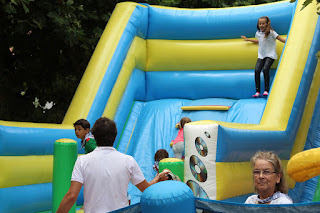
52, 43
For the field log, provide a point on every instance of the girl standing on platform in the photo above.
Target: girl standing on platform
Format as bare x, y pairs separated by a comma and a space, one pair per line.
266, 52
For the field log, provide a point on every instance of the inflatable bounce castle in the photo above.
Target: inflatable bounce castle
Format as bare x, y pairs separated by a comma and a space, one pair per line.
153, 60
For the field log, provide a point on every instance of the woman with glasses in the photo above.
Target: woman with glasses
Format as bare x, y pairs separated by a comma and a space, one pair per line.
269, 181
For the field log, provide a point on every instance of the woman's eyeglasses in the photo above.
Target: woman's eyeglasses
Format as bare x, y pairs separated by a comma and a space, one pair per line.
264, 172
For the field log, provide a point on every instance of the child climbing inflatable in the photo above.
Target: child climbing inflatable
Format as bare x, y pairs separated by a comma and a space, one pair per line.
178, 143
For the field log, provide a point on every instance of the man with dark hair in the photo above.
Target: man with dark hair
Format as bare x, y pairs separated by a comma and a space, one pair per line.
105, 174
104, 131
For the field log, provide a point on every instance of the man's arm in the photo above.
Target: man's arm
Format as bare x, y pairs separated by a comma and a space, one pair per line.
70, 198
159, 177
143, 185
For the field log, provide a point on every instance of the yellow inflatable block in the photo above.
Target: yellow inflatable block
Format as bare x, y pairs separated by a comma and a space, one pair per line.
304, 165
183, 55
206, 107
233, 179
25, 170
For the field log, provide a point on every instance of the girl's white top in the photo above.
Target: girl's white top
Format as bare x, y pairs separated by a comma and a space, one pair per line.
267, 46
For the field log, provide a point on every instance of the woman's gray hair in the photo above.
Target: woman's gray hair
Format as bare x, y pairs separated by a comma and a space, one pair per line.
275, 161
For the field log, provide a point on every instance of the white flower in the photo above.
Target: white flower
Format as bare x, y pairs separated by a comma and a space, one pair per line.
22, 93
48, 105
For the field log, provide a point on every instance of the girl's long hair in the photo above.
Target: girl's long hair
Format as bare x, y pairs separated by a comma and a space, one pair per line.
268, 28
